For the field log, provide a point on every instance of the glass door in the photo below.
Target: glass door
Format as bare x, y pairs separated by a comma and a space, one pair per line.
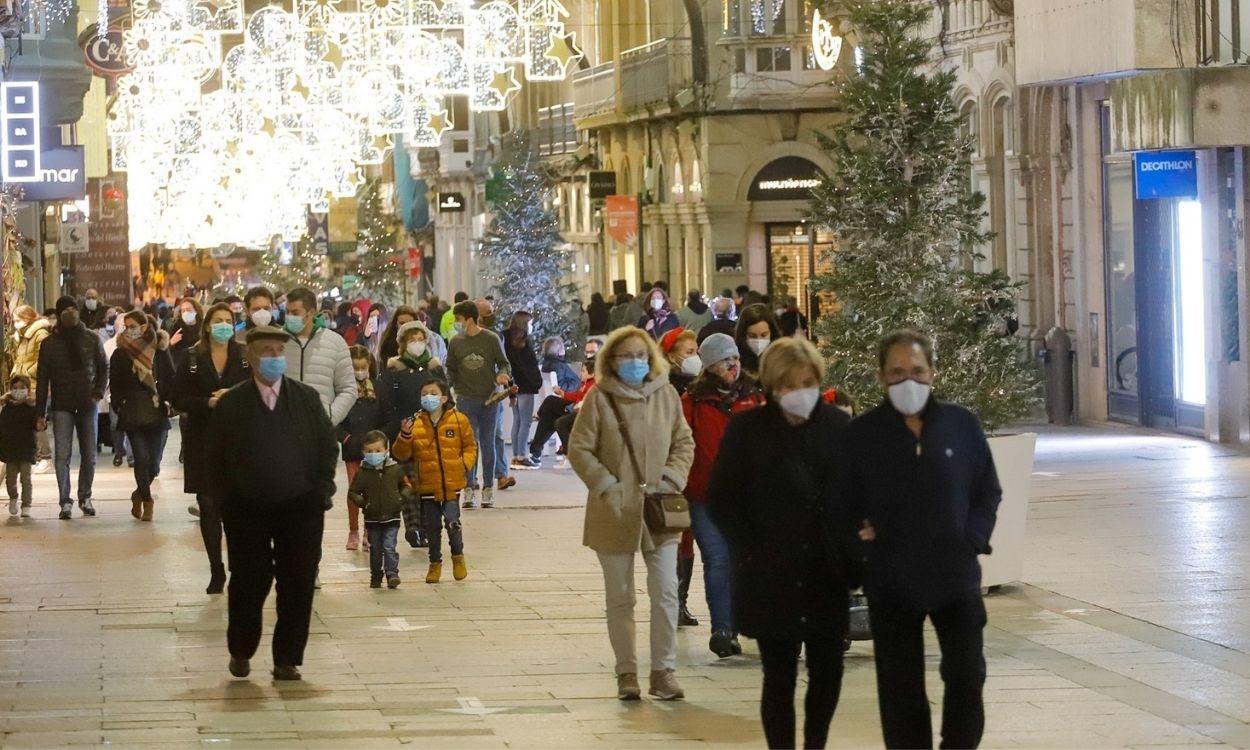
795, 254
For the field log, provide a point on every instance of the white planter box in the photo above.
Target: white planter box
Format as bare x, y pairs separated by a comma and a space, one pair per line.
1013, 457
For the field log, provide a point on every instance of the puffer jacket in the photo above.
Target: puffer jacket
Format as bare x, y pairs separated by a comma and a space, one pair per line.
379, 492
26, 358
399, 390
324, 364
442, 453
597, 452
72, 371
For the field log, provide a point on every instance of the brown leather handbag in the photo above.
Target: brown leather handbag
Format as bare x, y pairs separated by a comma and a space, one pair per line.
663, 512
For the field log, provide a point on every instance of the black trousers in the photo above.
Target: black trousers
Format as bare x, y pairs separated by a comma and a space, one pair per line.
824, 686
564, 428
898, 642
550, 410
210, 528
269, 544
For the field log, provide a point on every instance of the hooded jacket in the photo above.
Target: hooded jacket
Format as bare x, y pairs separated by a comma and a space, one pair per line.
26, 357
597, 452
399, 390
324, 364
442, 453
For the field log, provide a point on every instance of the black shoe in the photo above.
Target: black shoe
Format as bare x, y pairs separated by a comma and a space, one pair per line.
422, 542
284, 672
736, 646
87, 508
217, 583
118, 458
182, 455
722, 644
685, 619
375, 582
392, 582
413, 537
240, 667
67, 512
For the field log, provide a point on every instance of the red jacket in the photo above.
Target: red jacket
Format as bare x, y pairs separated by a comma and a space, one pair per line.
575, 396
708, 412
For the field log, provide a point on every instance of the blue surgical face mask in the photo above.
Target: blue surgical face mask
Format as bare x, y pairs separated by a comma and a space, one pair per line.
272, 368
459, 327
375, 459
295, 324
222, 332
431, 403
633, 371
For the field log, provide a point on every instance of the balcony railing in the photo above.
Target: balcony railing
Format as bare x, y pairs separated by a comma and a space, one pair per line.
654, 73
555, 132
594, 90
1223, 32
966, 19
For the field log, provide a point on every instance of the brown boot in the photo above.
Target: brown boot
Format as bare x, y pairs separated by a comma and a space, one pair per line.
147, 510
136, 505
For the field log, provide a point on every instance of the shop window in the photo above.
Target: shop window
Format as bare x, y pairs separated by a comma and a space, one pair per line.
772, 59
797, 253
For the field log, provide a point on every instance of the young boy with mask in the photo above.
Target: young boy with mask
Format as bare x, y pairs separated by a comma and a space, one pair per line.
378, 491
439, 441
17, 441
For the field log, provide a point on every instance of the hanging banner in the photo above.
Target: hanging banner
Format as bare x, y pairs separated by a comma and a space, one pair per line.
620, 214
105, 267
74, 238
414, 262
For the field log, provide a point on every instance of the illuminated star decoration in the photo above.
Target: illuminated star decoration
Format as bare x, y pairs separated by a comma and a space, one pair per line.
563, 50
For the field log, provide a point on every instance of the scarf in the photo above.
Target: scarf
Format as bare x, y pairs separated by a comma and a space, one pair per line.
142, 351
412, 361
367, 390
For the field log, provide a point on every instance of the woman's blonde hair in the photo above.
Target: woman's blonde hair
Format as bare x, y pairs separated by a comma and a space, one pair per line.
683, 336
783, 357
605, 360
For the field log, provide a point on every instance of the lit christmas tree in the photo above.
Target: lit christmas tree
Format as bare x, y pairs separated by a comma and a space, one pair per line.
282, 272
906, 224
527, 257
379, 266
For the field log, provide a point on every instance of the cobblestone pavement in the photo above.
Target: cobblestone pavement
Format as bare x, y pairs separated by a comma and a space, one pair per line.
1129, 630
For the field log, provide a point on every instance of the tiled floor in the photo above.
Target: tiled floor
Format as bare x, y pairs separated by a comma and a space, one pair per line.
1130, 630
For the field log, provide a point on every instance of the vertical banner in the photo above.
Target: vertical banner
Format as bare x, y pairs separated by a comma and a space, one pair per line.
105, 266
319, 232
620, 215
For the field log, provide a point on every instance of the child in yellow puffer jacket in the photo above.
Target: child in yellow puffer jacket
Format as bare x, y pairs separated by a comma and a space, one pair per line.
439, 441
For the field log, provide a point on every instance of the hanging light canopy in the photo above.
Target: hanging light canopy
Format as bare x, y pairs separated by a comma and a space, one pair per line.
233, 125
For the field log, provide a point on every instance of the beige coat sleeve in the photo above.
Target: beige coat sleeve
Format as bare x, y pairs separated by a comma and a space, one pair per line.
584, 446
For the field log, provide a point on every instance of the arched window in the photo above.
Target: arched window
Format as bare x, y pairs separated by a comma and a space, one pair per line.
679, 182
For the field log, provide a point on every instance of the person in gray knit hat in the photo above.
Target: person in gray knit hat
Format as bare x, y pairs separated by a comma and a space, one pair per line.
717, 348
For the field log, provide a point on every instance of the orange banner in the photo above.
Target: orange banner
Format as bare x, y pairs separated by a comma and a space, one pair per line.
621, 214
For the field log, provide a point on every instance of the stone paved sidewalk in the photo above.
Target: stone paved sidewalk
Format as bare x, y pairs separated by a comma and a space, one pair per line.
1130, 629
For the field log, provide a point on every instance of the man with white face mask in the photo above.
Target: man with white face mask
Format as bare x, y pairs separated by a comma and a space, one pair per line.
921, 480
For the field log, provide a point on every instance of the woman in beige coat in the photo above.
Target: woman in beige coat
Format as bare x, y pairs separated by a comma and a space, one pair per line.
631, 372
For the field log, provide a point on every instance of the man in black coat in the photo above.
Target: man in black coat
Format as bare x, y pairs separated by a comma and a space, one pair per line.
274, 495
73, 374
920, 475
722, 319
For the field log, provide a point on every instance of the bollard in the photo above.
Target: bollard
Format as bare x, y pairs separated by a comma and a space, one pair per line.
1057, 357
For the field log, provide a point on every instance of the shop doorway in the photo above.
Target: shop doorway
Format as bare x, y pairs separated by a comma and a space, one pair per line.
797, 253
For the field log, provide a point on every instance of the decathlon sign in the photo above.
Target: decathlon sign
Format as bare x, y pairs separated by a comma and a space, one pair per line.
1166, 174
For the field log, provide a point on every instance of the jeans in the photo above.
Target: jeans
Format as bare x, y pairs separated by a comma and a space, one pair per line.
121, 443
64, 424
898, 644
501, 451
434, 516
618, 584
146, 447
485, 422
522, 420
12, 470
382, 553
717, 573
824, 686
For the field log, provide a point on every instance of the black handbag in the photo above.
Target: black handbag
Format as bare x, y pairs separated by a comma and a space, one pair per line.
140, 413
663, 512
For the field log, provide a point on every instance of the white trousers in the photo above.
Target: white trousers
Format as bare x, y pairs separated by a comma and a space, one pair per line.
618, 583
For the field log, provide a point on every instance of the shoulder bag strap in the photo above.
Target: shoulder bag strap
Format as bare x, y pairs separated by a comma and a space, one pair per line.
629, 445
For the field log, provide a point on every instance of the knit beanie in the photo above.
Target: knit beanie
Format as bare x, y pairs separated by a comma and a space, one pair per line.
717, 348
64, 303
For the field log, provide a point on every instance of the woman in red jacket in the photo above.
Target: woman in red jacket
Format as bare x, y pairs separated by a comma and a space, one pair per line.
720, 391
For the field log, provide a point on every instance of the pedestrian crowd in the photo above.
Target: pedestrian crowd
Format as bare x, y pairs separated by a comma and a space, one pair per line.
706, 427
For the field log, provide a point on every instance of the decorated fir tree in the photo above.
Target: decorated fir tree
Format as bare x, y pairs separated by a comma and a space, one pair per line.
379, 265
303, 267
906, 225
525, 255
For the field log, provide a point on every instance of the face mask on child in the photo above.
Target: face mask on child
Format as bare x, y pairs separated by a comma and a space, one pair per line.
20, 394
375, 459
431, 403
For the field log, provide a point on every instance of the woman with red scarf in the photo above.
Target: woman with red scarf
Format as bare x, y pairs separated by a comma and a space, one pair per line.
141, 377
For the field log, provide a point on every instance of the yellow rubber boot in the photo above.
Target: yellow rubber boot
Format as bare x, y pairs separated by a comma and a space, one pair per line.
459, 570
436, 572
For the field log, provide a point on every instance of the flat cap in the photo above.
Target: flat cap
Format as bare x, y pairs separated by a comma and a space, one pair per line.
267, 333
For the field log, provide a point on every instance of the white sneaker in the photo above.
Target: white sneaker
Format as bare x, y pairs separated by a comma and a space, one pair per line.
42, 467
13, 507
488, 498
470, 499
25, 511
562, 462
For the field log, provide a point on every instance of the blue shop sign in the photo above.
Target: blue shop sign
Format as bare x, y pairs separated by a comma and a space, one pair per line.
62, 176
1166, 174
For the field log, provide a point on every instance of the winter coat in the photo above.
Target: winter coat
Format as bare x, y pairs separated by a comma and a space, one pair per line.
17, 431
379, 492
692, 319
366, 415
399, 390
190, 337
26, 357
597, 318
651, 324
707, 411
680, 381
324, 363
774, 494
71, 369
124, 384
597, 452
618, 317
932, 501
442, 453
719, 325
524, 364
93, 319
566, 377
194, 385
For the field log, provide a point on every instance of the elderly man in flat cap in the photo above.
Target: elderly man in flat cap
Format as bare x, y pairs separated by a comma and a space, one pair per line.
271, 458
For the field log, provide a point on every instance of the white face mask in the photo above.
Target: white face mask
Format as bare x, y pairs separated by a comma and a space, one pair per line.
416, 348
799, 403
20, 394
91, 304
189, 318
362, 375
758, 345
262, 317
910, 396
657, 303
692, 365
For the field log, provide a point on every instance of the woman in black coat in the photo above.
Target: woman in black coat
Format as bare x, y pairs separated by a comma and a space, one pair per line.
210, 369
597, 311
141, 379
773, 496
519, 348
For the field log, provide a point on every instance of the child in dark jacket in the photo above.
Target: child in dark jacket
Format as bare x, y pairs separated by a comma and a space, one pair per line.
378, 490
17, 441
366, 415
